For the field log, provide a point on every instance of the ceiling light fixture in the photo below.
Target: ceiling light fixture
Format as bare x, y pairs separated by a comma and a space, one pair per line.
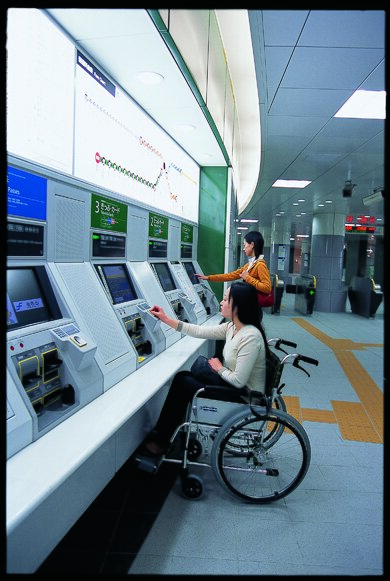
364, 105
249, 220
291, 184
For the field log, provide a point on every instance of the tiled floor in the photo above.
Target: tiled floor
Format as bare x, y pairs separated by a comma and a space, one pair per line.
332, 524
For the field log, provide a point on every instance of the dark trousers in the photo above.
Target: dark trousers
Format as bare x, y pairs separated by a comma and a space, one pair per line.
182, 390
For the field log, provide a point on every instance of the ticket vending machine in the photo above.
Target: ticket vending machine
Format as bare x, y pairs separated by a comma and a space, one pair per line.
143, 329
51, 366
202, 287
153, 293
182, 305
182, 281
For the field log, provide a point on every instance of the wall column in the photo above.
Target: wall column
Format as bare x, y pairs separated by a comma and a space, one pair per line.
326, 262
280, 250
266, 232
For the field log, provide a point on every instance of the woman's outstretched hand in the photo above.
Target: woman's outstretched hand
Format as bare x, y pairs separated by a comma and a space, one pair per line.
157, 311
202, 276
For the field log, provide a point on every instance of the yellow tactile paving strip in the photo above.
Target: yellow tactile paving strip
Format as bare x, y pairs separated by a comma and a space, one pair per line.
360, 421
314, 415
354, 423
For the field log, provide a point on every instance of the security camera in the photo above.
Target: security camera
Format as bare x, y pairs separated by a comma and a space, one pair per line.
347, 190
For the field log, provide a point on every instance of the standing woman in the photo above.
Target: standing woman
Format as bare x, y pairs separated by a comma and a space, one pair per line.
254, 272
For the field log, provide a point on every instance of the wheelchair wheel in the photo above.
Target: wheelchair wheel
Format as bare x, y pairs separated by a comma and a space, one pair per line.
275, 430
266, 469
192, 487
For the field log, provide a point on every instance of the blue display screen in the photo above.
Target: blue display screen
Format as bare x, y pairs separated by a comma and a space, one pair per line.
26, 194
191, 272
118, 283
164, 276
26, 302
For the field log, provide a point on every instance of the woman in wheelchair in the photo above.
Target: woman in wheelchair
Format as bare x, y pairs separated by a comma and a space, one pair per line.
244, 355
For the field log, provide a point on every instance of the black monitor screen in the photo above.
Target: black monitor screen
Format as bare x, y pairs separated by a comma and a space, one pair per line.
118, 282
164, 276
27, 301
191, 272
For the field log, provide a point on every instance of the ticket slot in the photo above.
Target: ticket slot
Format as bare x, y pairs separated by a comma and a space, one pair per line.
51, 364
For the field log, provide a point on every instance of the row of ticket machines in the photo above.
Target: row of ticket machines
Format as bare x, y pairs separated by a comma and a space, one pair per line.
77, 328
58, 361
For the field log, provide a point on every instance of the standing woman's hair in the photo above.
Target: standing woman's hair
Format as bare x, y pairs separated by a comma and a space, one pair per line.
244, 297
257, 239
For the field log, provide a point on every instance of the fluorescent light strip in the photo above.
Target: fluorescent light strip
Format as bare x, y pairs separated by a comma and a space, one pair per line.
290, 184
364, 105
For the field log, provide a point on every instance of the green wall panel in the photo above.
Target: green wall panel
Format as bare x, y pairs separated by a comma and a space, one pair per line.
212, 223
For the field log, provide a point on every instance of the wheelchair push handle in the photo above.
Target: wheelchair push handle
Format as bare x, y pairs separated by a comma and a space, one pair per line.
305, 359
276, 342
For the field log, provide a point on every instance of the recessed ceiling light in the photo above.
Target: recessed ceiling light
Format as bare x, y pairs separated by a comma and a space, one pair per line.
364, 105
242, 228
150, 78
249, 220
291, 184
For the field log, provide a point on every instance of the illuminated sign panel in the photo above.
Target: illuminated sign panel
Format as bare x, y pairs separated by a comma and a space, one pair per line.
361, 224
64, 113
40, 90
119, 148
358, 228
108, 214
187, 233
158, 226
26, 194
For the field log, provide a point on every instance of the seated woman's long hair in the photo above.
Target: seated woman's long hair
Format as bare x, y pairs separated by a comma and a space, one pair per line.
244, 298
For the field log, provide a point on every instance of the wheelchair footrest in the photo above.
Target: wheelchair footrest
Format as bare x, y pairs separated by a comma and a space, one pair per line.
149, 463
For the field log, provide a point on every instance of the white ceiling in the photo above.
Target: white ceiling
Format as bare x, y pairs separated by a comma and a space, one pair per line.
308, 64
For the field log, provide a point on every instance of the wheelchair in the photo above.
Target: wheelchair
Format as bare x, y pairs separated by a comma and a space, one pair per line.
258, 452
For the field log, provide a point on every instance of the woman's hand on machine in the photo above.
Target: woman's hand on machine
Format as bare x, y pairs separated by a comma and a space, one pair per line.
202, 276
157, 311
